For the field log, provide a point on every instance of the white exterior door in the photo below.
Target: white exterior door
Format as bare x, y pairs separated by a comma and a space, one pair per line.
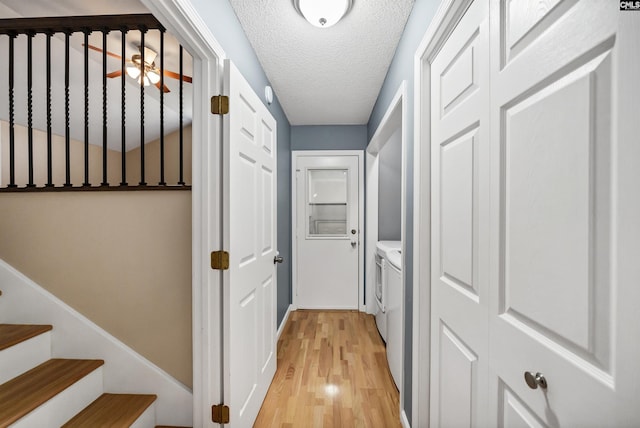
532, 233
249, 158
327, 232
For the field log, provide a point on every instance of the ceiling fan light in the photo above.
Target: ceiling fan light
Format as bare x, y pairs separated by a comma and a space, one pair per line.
133, 71
149, 55
153, 77
323, 13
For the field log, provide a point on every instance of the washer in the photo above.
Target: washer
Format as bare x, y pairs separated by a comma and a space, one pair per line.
382, 249
394, 313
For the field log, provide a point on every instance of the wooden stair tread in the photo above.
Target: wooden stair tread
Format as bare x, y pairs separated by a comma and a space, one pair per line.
112, 410
169, 426
26, 392
12, 334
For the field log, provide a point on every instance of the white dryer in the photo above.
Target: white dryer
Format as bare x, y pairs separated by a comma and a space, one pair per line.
394, 313
382, 249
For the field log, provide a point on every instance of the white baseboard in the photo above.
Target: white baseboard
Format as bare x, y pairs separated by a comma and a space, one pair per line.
284, 321
75, 336
404, 420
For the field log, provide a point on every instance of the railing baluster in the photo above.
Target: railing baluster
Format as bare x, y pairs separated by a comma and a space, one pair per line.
86, 108
162, 182
26, 174
30, 108
123, 154
12, 131
49, 131
67, 118
105, 181
143, 30
181, 182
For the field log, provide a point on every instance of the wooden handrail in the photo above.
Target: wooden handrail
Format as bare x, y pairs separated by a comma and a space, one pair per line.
63, 24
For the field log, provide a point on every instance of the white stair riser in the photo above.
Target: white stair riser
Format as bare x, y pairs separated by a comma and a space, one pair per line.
75, 336
146, 419
59, 409
24, 356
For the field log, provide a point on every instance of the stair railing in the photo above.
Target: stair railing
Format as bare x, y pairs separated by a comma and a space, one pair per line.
30, 27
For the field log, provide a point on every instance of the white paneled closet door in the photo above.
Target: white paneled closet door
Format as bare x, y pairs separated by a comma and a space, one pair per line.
557, 299
460, 223
250, 233
532, 237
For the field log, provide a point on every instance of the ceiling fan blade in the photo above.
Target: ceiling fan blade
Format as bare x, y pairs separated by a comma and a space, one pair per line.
177, 76
164, 88
115, 74
97, 49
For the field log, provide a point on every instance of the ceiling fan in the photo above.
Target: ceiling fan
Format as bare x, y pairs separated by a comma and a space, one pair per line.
149, 71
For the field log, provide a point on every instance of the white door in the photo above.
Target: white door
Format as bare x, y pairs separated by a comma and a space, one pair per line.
460, 171
560, 194
535, 217
249, 230
327, 232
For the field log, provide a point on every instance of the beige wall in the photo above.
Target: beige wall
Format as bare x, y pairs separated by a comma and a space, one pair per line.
58, 159
123, 259
152, 160
114, 164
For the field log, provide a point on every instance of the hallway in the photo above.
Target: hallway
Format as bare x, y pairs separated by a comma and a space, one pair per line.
332, 372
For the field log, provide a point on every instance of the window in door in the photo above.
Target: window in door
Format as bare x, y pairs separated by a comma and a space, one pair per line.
327, 202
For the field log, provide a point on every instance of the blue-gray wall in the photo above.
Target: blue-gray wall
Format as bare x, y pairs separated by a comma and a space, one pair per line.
329, 137
223, 23
402, 69
390, 189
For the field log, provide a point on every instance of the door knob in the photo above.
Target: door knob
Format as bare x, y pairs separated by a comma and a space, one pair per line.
353, 231
533, 381
277, 259
353, 244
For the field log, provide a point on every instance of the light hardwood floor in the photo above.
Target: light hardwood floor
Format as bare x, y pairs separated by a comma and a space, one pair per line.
332, 372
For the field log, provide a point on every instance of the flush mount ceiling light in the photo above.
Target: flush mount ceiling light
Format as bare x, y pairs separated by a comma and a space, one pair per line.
323, 13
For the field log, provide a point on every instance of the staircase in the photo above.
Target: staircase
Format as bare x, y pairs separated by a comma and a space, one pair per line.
58, 368
39, 391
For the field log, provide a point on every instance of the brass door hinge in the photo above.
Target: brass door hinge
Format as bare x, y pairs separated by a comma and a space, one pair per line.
220, 414
219, 260
220, 104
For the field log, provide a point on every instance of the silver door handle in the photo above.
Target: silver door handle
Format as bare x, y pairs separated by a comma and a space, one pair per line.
277, 259
533, 381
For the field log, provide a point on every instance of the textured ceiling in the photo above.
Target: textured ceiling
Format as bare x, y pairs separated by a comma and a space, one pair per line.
325, 76
321, 76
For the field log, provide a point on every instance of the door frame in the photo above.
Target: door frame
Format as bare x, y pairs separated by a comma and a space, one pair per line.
394, 118
182, 20
295, 154
447, 16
